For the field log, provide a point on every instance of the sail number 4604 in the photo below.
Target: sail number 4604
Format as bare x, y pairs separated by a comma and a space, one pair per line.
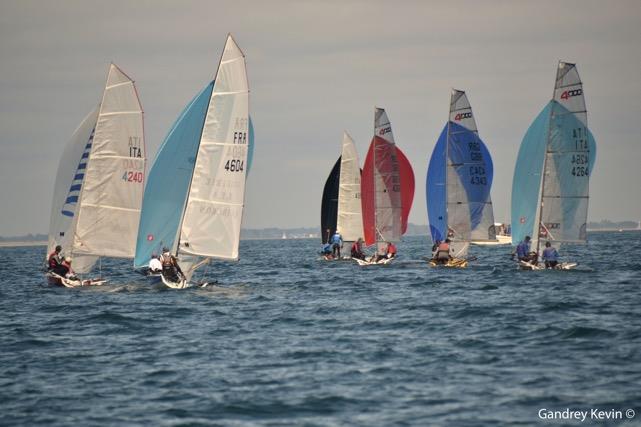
234, 165
133, 176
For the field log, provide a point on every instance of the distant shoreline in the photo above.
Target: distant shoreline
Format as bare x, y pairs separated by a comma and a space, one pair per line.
18, 244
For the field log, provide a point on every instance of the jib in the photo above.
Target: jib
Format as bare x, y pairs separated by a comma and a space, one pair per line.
461, 116
570, 93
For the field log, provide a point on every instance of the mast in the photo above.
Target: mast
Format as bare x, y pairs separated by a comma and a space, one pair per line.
537, 225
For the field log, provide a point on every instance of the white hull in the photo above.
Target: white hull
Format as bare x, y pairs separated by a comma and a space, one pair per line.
500, 240
57, 280
536, 267
379, 262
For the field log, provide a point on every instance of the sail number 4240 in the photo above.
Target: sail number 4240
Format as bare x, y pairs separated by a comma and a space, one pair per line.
234, 165
133, 176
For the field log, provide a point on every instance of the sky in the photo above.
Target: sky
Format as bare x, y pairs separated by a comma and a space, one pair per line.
317, 68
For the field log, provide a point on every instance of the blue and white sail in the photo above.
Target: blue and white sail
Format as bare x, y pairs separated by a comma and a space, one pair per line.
99, 185
194, 199
459, 179
550, 189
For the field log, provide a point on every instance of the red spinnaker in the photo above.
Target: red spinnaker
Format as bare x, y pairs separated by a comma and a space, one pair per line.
407, 187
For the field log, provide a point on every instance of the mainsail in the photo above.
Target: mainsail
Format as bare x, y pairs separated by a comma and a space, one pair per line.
387, 186
99, 185
550, 189
341, 202
194, 200
459, 179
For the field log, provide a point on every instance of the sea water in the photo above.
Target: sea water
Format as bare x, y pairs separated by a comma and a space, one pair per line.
288, 340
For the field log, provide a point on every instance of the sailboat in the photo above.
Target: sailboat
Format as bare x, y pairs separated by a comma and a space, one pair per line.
459, 178
194, 198
341, 203
550, 190
99, 184
387, 190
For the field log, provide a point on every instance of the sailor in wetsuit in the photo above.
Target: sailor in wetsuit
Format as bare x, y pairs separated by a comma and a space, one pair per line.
170, 268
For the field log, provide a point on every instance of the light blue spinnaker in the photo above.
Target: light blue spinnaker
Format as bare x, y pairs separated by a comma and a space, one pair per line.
550, 189
168, 181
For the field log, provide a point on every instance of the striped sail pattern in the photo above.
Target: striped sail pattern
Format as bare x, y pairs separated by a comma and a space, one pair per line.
69, 180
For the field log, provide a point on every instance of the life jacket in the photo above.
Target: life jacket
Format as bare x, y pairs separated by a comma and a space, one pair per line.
53, 261
391, 249
443, 251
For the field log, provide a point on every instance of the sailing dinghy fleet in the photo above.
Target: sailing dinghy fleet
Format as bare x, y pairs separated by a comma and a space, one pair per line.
191, 207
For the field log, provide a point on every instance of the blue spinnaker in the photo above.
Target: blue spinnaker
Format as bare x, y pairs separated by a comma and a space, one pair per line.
527, 176
169, 179
435, 191
461, 197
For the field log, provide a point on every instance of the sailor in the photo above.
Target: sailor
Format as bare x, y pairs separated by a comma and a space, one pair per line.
337, 244
522, 251
391, 250
64, 269
54, 258
155, 266
170, 267
357, 249
442, 254
550, 256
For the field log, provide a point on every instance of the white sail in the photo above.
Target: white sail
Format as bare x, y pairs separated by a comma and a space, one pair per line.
214, 209
69, 181
111, 196
350, 216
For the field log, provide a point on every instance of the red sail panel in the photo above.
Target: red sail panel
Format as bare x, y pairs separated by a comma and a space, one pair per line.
407, 187
381, 193
368, 198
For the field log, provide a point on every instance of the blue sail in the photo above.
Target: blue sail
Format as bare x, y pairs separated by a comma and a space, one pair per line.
474, 169
471, 163
169, 179
435, 192
526, 182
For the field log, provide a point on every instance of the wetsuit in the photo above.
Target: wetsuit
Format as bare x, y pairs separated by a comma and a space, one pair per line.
54, 261
169, 270
357, 251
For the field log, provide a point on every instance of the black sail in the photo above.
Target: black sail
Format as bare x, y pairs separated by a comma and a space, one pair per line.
329, 204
